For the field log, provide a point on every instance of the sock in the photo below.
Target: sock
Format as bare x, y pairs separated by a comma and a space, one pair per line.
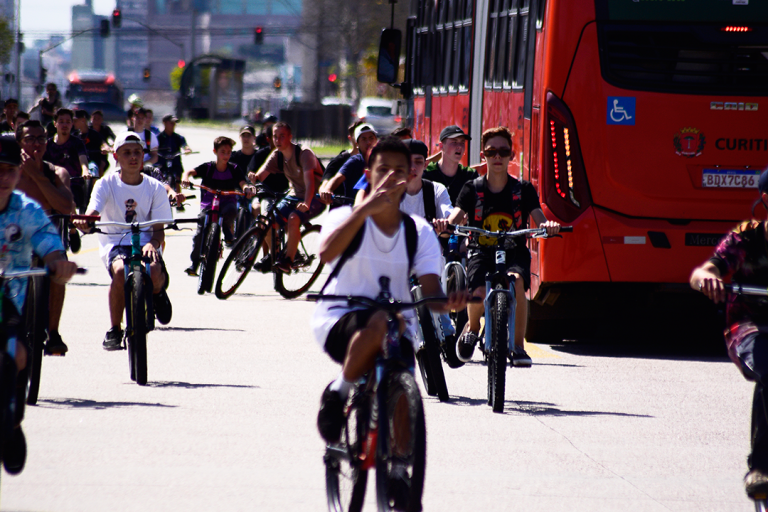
342, 386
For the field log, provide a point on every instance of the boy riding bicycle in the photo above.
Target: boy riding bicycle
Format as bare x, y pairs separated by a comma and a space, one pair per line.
382, 235
24, 230
219, 175
742, 254
498, 202
128, 195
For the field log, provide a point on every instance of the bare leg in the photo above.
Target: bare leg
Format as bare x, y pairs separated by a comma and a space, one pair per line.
55, 305
158, 277
293, 230
364, 346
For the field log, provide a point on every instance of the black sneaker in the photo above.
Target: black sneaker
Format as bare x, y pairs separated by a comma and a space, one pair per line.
74, 242
520, 358
114, 339
330, 418
163, 307
191, 270
466, 346
15, 452
284, 265
264, 265
756, 483
55, 346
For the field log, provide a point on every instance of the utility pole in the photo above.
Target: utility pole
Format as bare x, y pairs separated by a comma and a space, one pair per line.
18, 51
319, 49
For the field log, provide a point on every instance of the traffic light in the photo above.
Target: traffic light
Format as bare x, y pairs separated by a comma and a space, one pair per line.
333, 77
117, 18
147, 74
277, 83
181, 63
258, 35
104, 28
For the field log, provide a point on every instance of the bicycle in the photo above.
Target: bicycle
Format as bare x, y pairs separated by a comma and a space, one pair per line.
306, 264
139, 309
428, 355
500, 303
454, 279
165, 164
379, 406
211, 246
37, 301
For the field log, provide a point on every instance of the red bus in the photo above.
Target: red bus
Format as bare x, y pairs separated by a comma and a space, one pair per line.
638, 122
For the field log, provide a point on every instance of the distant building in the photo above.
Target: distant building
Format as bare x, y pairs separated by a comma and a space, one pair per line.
90, 50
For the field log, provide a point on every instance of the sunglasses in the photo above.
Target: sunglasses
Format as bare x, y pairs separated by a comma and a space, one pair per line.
31, 140
503, 152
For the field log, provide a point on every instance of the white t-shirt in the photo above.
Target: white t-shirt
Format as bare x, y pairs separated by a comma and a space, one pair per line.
153, 143
117, 202
414, 204
378, 255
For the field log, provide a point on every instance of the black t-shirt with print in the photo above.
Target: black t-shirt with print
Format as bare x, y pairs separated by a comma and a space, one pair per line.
498, 209
66, 155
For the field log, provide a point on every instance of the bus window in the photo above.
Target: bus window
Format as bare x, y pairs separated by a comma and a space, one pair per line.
467, 58
501, 43
509, 68
491, 45
522, 43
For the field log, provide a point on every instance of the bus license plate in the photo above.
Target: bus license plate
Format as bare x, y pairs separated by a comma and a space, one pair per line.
721, 178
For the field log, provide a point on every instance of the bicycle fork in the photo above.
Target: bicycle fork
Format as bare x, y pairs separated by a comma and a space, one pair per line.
490, 295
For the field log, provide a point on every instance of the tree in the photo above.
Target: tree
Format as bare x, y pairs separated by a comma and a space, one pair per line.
6, 40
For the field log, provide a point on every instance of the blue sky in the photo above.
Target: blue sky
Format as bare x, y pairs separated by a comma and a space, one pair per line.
39, 16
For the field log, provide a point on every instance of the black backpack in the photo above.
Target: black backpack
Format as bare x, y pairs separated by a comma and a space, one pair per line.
428, 193
411, 245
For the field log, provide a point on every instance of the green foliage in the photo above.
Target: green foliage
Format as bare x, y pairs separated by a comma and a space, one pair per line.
6, 40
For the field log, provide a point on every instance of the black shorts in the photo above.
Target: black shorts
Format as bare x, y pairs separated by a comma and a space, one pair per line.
123, 252
342, 331
482, 262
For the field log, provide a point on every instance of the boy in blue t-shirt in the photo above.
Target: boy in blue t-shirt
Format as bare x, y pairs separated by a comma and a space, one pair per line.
219, 175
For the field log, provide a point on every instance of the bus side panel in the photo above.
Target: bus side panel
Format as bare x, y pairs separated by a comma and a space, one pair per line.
655, 251
419, 121
563, 23
577, 257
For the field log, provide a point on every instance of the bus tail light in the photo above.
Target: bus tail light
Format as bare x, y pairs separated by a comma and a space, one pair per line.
564, 184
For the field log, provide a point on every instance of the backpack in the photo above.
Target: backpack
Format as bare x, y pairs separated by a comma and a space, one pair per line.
428, 193
517, 193
147, 139
411, 244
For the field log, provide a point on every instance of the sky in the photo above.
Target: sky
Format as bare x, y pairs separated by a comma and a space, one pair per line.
41, 16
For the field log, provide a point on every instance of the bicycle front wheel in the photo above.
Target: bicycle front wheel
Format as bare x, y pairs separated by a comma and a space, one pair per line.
137, 339
211, 253
37, 322
456, 281
345, 480
497, 359
306, 266
243, 222
239, 262
401, 452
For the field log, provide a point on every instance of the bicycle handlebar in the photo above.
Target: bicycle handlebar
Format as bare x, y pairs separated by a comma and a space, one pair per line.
392, 305
533, 232
127, 225
90, 218
217, 192
33, 272
746, 289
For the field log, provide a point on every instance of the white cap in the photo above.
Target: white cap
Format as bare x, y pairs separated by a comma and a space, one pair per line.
365, 127
128, 138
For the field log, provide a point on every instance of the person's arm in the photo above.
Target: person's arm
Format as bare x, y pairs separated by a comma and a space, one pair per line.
327, 188
249, 189
435, 158
541, 221
61, 269
188, 174
377, 201
431, 287
309, 163
84, 165
707, 280
58, 195
267, 168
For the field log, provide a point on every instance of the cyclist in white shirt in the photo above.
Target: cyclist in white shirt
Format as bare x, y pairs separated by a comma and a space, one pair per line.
141, 128
130, 196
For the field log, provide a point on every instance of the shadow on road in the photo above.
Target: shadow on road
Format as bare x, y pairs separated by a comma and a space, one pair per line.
477, 362
189, 385
670, 349
517, 407
82, 403
193, 329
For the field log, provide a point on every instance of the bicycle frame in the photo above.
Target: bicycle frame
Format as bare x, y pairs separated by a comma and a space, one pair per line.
491, 280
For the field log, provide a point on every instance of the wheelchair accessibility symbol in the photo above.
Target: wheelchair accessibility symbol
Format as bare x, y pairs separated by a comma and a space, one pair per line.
621, 110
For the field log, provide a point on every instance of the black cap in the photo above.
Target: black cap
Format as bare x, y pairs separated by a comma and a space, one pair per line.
762, 184
10, 151
167, 118
270, 119
11, 101
451, 132
416, 147
248, 128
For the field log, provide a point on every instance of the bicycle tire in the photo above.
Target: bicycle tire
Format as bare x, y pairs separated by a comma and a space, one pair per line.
211, 252
345, 480
37, 323
137, 340
239, 262
497, 360
243, 222
455, 281
400, 470
300, 279
430, 363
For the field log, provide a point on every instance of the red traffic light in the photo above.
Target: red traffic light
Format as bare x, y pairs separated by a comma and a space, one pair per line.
181, 63
259, 30
117, 18
332, 77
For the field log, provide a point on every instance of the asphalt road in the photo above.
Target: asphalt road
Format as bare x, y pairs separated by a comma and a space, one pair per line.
227, 421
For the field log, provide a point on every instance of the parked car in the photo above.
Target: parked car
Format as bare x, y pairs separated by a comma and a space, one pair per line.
379, 113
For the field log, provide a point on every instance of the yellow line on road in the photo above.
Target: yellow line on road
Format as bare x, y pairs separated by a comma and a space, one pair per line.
540, 352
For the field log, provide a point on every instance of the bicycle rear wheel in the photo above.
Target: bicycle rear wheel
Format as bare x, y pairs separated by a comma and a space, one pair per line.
239, 262
401, 452
345, 480
456, 281
243, 222
137, 339
430, 364
497, 359
306, 266
37, 323
211, 253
